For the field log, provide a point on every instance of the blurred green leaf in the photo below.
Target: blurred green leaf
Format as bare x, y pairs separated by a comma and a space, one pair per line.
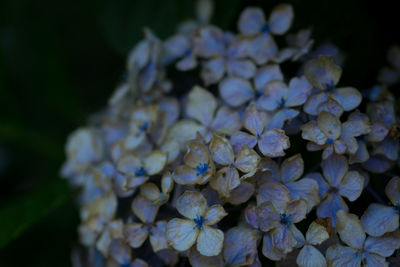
20, 214
123, 20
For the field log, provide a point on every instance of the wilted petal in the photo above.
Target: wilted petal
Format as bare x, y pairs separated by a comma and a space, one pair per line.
351, 185
247, 159
235, 91
310, 257
378, 132
392, 190
276, 193
384, 245
241, 68
198, 98
273, 143
348, 97
226, 121
197, 154
292, 168
254, 120
311, 132
135, 234
213, 70
329, 124
191, 204
214, 214
144, 209
299, 90
330, 206
296, 210
350, 229
240, 246
316, 234
226, 179
267, 74
167, 183
379, 219
120, 251
251, 21
267, 216
150, 191
389, 147
210, 241
128, 164
158, 239
185, 175
270, 251
306, 189
283, 239
281, 19
322, 72
155, 162
221, 150
313, 102
181, 234
331, 106
334, 169
338, 256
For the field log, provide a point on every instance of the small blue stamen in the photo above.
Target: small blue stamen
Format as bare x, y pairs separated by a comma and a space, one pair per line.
141, 172
258, 95
125, 264
265, 28
329, 141
144, 126
397, 209
202, 169
199, 221
285, 220
187, 53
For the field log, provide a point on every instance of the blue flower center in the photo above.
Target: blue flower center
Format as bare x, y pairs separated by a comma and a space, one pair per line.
330, 87
187, 53
266, 28
202, 168
140, 172
199, 221
258, 95
397, 208
282, 103
329, 141
144, 126
125, 264
285, 219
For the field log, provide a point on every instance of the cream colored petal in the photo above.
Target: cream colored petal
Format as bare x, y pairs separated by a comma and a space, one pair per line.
214, 214
210, 241
197, 154
128, 164
167, 183
185, 175
135, 234
297, 210
329, 124
350, 229
316, 234
392, 190
144, 209
191, 204
322, 72
155, 162
199, 98
292, 168
247, 159
310, 131
226, 179
132, 182
270, 251
150, 191
221, 150
181, 234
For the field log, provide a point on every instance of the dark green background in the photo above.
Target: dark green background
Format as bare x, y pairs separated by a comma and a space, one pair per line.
59, 62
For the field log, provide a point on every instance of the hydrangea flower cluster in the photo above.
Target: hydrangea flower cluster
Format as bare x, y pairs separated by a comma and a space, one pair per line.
218, 176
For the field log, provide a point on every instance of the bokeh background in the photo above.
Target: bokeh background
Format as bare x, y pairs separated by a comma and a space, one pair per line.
61, 60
